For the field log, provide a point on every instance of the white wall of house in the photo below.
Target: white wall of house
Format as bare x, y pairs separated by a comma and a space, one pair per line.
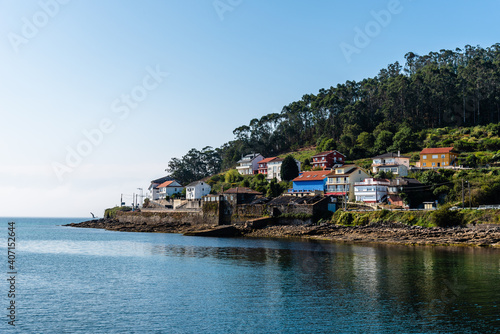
370, 191
249, 166
153, 192
400, 170
197, 190
274, 169
171, 189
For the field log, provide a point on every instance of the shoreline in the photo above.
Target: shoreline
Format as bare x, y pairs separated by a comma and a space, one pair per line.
487, 235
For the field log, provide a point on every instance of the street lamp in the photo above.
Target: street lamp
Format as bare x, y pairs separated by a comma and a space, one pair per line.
142, 199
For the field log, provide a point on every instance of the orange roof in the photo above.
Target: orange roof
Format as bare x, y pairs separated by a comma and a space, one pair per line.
165, 184
437, 150
312, 176
266, 160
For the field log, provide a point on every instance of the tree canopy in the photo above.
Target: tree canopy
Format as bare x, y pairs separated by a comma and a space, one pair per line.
449, 88
289, 168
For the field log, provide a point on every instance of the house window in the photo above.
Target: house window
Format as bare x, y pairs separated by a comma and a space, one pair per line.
433, 164
442, 156
425, 164
444, 163
434, 156
424, 157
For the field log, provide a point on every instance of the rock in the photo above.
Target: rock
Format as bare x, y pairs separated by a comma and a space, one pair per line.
220, 231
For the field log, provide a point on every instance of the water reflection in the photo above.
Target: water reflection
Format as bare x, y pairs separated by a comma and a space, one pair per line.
433, 288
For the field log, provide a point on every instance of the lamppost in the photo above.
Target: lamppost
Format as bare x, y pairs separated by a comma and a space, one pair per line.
142, 199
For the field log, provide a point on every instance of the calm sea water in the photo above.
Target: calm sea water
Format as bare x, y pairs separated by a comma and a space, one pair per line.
74, 280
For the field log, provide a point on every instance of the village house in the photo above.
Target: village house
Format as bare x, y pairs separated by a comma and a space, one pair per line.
271, 168
249, 164
328, 159
196, 190
438, 157
241, 195
341, 180
402, 185
309, 182
371, 190
395, 163
169, 188
153, 191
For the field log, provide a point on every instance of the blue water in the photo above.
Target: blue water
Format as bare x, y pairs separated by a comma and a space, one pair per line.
72, 280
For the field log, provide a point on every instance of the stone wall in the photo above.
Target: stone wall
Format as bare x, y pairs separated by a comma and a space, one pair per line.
155, 218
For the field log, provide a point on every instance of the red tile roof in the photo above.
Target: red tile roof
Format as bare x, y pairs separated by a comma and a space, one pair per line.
266, 160
165, 184
326, 153
437, 150
312, 176
270, 160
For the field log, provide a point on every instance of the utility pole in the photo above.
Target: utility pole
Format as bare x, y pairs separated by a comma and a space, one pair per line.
462, 193
470, 200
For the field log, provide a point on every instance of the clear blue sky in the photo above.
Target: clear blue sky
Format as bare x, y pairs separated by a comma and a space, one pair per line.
68, 66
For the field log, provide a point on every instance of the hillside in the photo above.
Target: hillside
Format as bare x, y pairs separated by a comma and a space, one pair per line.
426, 102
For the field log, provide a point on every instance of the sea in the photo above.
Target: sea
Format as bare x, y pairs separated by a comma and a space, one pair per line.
75, 280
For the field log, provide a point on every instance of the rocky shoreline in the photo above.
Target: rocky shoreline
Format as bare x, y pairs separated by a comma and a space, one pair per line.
387, 233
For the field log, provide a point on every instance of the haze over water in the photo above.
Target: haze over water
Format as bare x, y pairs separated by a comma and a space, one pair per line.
74, 280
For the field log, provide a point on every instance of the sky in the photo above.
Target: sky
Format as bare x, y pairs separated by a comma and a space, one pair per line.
97, 96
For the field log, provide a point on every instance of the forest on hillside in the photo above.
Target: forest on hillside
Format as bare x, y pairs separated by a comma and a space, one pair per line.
449, 88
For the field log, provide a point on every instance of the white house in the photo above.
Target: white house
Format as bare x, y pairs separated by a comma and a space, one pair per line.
197, 189
271, 168
391, 162
169, 188
249, 164
371, 190
153, 191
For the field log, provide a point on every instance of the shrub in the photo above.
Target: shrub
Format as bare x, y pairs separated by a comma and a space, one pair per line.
444, 217
343, 218
232, 176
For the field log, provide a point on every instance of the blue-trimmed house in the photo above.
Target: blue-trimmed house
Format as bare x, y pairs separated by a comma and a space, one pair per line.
308, 182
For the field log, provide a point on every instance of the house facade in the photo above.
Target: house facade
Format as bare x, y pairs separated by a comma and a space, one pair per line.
169, 188
196, 190
438, 157
371, 190
153, 191
308, 182
241, 195
249, 164
340, 181
395, 163
401, 185
271, 168
327, 159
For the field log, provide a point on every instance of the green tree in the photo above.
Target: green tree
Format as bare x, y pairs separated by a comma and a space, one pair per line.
366, 141
232, 176
289, 169
404, 140
383, 141
273, 189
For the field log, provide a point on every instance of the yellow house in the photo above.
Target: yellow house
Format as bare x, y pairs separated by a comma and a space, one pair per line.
438, 157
